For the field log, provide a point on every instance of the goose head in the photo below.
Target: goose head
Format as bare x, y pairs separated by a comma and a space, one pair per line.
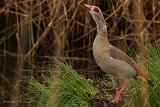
98, 17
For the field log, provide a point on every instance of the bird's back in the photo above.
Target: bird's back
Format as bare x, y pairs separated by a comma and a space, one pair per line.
118, 54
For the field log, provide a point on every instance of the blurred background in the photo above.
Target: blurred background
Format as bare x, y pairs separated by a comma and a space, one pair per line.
33, 30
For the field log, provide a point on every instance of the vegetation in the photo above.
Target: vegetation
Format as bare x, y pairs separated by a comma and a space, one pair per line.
143, 94
61, 87
154, 70
33, 30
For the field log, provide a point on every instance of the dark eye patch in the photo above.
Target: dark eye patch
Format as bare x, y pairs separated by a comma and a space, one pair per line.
96, 10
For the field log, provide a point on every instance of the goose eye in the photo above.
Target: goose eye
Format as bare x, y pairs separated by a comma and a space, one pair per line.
96, 10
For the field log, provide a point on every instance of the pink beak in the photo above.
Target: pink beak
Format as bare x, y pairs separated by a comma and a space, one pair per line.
88, 6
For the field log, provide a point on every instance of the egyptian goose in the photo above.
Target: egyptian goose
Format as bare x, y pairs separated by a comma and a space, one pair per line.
111, 59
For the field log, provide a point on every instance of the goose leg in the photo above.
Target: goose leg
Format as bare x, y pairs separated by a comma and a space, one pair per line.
117, 86
118, 93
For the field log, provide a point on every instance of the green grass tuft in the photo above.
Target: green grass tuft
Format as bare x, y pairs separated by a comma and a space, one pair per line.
61, 87
143, 94
153, 66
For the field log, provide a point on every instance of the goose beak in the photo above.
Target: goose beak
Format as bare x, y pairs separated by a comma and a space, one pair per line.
88, 6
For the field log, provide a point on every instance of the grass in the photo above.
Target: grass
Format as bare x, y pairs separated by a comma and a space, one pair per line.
142, 94
61, 87
153, 66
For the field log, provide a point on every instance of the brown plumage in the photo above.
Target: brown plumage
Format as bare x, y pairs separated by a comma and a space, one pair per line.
111, 59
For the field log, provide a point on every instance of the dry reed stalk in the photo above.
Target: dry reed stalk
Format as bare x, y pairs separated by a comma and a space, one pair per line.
141, 37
